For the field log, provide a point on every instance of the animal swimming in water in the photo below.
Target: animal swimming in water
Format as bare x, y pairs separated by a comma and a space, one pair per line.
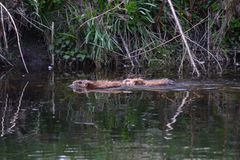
140, 81
100, 84
104, 84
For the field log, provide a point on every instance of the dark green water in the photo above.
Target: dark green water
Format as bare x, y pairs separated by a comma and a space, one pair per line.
41, 118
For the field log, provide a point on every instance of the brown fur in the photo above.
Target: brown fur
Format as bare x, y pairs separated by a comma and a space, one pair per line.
133, 82
158, 82
102, 84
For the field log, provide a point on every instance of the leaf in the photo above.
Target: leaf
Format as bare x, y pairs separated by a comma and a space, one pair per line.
67, 35
81, 56
66, 57
131, 7
150, 4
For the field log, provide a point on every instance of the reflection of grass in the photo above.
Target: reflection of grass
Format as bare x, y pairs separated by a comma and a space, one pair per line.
121, 116
120, 113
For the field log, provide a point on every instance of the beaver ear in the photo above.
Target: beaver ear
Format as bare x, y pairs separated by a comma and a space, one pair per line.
139, 82
90, 85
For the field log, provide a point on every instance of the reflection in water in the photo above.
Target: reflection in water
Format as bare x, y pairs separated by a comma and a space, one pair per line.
174, 118
15, 116
3, 116
52, 86
43, 119
7, 104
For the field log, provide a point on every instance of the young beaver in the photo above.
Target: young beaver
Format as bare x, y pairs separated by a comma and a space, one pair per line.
133, 82
103, 84
140, 81
100, 84
158, 82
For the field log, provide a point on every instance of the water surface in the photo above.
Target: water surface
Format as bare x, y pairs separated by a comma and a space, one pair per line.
41, 118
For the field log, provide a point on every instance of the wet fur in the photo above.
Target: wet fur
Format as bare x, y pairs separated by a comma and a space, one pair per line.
103, 84
100, 84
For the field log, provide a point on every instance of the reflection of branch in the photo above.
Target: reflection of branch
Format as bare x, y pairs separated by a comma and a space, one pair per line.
53, 93
86, 123
38, 123
4, 74
15, 117
4, 113
174, 118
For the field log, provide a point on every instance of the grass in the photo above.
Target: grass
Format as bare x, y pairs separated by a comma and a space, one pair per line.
135, 33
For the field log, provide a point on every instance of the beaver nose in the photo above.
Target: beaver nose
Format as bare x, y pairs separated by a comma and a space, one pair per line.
171, 81
71, 86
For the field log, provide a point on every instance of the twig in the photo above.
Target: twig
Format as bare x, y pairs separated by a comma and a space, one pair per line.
17, 34
208, 34
209, 53
108, 50
4, 74
4, 31
29, 20
126, 49
33, 24
182, 60
1, 56
52, 43
5, 39
166, 42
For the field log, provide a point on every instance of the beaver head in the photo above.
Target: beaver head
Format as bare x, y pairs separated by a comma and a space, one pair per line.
167, 81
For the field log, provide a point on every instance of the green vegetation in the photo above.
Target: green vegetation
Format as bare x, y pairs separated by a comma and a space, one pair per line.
133, 32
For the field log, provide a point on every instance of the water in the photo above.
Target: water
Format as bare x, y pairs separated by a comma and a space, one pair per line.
41, 118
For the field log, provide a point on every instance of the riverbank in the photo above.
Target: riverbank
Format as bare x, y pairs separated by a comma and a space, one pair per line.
124, 34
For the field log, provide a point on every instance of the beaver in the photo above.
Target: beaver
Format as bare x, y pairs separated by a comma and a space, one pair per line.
140, 81
133, 81
104, 84
100, 84
158, 82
